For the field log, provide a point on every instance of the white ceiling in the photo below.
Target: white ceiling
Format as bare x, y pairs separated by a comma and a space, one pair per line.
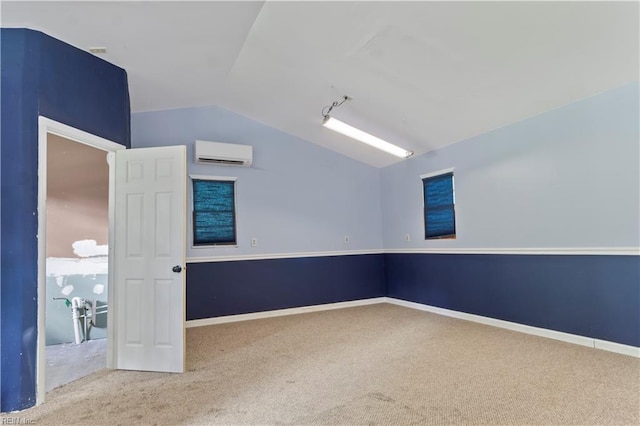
422, 74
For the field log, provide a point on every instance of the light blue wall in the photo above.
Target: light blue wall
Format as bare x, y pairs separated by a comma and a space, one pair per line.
566, 178
297, 197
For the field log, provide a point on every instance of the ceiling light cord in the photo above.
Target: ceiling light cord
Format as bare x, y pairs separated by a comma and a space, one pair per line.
335, 104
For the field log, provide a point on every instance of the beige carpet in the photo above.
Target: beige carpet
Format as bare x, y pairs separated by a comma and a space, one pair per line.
378, 364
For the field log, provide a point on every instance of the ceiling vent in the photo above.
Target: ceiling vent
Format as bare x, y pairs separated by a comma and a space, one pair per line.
223, 154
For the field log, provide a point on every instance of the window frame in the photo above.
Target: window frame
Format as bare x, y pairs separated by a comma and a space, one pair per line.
430, 175
192, 206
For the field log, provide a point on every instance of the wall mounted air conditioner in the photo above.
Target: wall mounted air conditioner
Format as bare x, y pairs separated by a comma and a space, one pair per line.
223, 153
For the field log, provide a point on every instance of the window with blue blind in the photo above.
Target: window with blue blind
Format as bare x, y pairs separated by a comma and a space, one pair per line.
214, 212
439, 206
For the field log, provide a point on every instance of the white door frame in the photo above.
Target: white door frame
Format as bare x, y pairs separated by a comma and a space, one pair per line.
47, 126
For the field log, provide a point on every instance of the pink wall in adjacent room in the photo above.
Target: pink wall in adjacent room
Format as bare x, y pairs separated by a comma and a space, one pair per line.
77, 195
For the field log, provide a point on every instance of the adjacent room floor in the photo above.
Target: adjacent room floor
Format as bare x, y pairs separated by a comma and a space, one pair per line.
68, 362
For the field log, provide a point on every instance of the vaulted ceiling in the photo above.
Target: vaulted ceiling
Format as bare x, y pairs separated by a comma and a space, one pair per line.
422, 74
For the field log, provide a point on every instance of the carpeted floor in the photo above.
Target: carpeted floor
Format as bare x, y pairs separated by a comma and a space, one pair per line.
377, 364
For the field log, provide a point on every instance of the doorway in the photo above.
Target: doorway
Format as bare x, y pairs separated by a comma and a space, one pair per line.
77, 266
75, 193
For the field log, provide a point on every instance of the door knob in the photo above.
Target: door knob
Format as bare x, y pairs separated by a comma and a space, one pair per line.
177, 268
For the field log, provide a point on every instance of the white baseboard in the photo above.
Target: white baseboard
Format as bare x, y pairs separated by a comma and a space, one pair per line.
283, 312
619, 348
527, 329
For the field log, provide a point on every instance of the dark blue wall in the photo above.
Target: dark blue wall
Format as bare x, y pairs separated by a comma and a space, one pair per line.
40, 76
238, 287
84, 91
593, 296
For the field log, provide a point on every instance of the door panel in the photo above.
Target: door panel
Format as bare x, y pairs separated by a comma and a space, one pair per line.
150, 207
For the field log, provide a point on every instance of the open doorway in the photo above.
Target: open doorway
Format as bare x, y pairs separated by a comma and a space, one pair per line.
146, 186
77, 262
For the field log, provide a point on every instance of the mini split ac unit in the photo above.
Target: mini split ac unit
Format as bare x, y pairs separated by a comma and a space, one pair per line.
223, 153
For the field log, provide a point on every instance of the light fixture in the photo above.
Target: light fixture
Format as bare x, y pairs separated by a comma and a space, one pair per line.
98, 50
359, 135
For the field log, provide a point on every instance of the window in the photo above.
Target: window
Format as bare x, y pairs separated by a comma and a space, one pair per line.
214, 212
439, 205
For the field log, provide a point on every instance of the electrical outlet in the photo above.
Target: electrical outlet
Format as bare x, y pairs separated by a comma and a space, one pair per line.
407, 237
254, 242
346, 239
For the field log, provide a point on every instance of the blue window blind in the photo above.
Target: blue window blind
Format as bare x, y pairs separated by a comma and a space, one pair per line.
214, 215
439, 206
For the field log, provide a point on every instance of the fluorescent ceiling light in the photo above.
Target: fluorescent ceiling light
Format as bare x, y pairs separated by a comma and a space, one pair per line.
357, 134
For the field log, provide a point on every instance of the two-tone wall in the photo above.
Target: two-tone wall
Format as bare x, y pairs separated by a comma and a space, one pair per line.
547, 211
298, 200
40, 76
547, 221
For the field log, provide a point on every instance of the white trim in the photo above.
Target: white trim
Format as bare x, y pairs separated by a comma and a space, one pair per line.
605, 345
613, 251
620, 251
111, 329
521, 328
267, 256
439, 172
47, 126
208, 247
42, 261
68, 132
208, 177
536, 331
283, 312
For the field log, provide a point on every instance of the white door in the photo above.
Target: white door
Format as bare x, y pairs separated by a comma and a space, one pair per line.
149, 256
